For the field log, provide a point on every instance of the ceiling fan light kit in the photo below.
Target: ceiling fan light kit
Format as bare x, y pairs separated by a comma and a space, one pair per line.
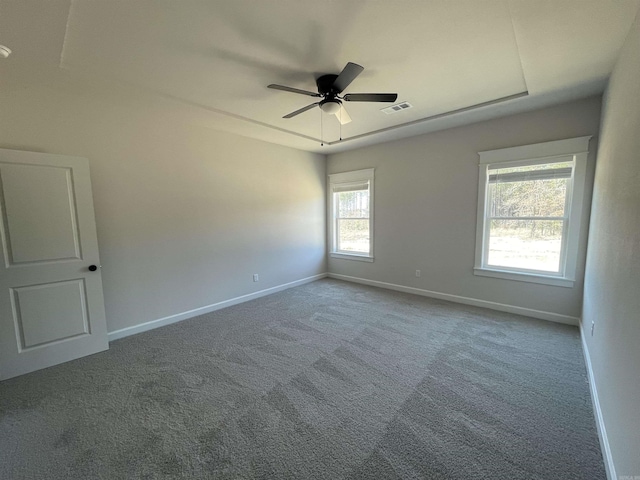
330, 106
330, 88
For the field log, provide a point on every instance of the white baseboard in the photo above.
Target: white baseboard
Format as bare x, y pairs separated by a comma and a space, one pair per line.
602, 431
529, 312
161, 322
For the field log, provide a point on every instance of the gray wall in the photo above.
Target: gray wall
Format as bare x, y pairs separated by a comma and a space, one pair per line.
426, 194
612, 282
185, 214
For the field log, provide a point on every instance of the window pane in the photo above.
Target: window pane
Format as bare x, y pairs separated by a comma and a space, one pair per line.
353, 204
353, 235
534, 198
526, 244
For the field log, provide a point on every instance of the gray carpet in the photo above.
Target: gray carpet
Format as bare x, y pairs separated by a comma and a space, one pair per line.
328, 380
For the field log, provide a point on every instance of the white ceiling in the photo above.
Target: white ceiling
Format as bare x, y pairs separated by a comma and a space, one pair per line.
209, 62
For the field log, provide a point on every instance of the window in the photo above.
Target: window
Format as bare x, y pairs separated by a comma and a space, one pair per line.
351, 215
529, 211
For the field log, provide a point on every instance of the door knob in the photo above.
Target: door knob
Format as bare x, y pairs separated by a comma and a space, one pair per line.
92, 268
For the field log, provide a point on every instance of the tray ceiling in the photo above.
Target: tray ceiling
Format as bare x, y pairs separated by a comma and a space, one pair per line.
217, 57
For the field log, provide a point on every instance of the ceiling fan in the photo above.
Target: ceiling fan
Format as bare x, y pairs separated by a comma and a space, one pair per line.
329, 89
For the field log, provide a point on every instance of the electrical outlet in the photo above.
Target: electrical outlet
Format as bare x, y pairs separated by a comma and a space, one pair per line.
593, 325
418, 273
255, 277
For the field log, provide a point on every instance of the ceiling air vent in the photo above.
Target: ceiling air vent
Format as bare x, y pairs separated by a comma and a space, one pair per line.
396, 108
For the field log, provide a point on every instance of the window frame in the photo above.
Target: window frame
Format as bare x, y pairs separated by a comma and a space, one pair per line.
345, 179
541, 153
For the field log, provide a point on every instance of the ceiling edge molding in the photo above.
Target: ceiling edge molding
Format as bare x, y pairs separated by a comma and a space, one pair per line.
214, 110
515, 40
173, 98
66, 33
355, 137
233, 115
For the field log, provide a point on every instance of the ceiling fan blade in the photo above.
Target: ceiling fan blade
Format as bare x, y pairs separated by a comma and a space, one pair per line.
370, 97
293, 90
302, 110
348, 75
342, 115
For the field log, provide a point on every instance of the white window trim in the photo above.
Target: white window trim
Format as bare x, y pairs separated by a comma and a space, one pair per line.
578, 148
357, 176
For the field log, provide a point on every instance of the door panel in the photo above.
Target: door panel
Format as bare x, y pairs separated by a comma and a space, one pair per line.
48, 313
38, 199
51, 305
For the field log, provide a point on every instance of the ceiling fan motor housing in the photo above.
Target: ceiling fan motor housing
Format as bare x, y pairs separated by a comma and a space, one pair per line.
325, 85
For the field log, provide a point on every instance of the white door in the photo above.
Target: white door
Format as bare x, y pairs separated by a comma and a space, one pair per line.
51, 303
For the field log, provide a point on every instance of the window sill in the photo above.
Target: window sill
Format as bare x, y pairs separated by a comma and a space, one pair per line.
351, 256
524, 277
